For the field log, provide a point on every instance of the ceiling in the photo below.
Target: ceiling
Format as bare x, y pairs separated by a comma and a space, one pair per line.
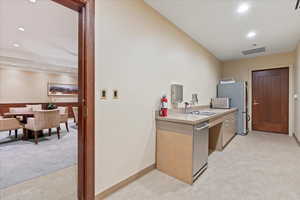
218, 26
50, 39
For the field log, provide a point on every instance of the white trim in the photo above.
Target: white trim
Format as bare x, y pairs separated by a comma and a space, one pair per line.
291, 94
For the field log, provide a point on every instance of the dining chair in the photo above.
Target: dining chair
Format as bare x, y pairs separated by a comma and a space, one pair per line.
20, 110
9, 124
36, 107
64, 116
75, 111
44, 119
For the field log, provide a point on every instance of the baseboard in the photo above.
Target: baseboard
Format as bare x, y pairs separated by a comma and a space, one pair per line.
124, 183
298, 142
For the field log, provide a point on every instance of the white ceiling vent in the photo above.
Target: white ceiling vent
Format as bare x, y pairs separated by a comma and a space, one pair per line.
252, 51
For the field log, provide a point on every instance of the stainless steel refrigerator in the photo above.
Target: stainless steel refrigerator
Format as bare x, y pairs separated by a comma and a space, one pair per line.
237, 92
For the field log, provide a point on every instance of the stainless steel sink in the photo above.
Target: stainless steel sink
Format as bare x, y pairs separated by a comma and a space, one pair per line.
204, 113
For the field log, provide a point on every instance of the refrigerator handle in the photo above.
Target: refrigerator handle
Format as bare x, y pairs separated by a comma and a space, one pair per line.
248, 117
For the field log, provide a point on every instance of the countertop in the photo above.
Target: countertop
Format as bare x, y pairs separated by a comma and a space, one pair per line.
193, 119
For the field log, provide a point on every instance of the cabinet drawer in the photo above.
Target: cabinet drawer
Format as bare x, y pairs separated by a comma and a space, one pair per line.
230, 117
215, 122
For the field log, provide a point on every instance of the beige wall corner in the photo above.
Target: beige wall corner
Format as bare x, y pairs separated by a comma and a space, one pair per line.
140, 53
241, 70
297, 92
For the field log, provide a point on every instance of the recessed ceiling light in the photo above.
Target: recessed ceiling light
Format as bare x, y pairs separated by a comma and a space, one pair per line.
251, 34
32, 1
243, 8
21, 29
16, 45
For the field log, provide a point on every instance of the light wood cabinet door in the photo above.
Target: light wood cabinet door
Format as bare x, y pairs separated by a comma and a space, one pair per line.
228, 128
175, 155
174, 150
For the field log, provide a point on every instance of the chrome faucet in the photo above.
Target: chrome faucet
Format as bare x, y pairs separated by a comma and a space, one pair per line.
186, 104
194, 99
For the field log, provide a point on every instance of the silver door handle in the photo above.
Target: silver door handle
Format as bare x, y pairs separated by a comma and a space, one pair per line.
203, 127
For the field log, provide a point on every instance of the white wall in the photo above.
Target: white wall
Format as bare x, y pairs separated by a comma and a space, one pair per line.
21, 86
140, 53
297, 91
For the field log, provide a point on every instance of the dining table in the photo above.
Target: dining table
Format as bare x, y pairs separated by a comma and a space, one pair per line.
25, 115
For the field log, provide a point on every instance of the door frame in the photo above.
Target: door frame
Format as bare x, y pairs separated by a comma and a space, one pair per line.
86, 97
291, 93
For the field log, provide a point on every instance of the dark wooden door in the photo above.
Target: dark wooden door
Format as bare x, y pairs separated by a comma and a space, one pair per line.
270, 100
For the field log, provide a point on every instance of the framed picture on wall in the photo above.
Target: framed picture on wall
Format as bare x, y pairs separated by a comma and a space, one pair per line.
59, 89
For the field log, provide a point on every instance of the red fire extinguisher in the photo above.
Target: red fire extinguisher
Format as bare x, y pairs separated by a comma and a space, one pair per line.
164, 106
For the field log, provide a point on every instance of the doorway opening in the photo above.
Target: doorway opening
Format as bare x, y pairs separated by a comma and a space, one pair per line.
86, 98
270, 100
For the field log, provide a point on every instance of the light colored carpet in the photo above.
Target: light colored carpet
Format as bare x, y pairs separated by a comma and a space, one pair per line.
23, 160
60, 185
261, 166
